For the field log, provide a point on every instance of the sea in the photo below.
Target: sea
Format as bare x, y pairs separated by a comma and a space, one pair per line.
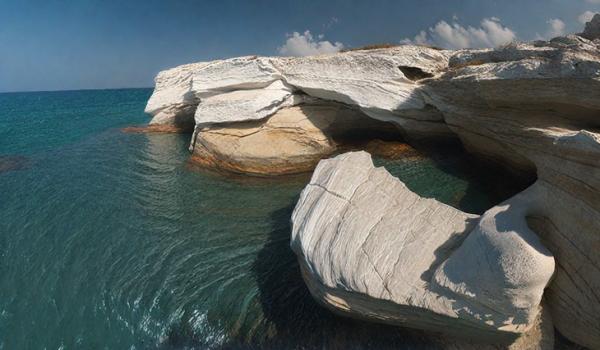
114, 240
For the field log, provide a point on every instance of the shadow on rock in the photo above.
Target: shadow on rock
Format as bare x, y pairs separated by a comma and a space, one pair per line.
299, 322
488, 183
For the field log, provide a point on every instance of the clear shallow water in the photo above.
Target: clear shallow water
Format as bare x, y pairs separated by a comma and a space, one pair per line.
111, 240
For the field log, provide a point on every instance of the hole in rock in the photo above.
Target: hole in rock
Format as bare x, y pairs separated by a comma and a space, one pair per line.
414, 73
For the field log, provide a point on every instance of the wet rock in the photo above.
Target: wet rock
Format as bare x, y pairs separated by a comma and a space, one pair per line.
155, 128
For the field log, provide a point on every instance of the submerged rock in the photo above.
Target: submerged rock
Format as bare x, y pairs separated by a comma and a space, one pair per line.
11, 163
155, 128
370, 247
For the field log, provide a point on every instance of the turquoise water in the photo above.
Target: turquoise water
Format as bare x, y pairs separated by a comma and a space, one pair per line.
110, 240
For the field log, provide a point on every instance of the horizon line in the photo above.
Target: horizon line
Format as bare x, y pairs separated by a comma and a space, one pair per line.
72, 90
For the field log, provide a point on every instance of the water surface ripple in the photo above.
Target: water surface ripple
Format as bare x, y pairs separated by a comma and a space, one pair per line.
110, 240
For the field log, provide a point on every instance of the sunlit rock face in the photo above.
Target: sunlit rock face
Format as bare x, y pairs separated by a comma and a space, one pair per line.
533, 107
173, 102
537, 106
382, 83
370, 247
293, 139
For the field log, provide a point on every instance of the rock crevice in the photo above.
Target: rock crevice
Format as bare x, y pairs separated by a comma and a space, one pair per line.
532, 107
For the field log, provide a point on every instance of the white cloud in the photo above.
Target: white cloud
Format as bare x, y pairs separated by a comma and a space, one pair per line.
586, 16
419, 39
305, 45
557, 28
490, 33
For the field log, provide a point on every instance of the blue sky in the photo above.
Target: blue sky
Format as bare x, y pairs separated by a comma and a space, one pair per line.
60, 45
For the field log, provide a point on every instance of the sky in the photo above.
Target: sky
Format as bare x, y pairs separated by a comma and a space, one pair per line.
97, 44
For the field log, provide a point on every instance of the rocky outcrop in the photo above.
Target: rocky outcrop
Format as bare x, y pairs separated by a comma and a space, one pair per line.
532, 107
382, 84
173, 102
377, 81
293, 139
592, 28
356, 229
536, 107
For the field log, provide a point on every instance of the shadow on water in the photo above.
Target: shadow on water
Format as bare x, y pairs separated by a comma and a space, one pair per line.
297, 321
290, 318
487, 183
12, 163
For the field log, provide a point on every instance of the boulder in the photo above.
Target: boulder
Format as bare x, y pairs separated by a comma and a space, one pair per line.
371, 248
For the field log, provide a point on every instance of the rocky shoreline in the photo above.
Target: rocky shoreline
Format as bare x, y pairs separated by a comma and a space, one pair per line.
371, 248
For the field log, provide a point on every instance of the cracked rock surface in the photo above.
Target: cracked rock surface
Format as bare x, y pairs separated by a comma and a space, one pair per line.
532, 107
370, 247
293, 139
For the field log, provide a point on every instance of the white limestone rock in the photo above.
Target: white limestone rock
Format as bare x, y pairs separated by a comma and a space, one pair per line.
240, 73
292, 140
374, 80
535, 108
370, 247
368, 79
531, 106
173, 101
254, 104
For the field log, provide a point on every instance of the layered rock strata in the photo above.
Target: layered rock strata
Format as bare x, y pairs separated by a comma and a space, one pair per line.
532, 107
293, 139
356, 230
381, 84
537, 107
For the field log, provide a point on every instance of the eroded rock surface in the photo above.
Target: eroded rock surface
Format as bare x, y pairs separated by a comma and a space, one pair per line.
173, 101
253, 88
537, 107
533, 107
293, 139
382, 84
369, 246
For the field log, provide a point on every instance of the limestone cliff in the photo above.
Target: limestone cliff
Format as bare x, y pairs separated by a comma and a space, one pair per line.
532, 107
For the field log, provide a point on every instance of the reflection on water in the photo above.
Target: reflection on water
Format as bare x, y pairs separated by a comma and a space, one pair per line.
113, 241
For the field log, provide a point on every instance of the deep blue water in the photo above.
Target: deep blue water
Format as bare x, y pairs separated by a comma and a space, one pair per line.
111, 240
